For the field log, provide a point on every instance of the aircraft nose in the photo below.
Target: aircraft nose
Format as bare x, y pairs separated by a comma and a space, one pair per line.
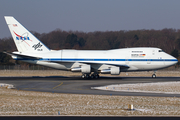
174, 60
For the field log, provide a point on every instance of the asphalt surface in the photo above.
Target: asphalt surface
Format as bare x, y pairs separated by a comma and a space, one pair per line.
76, 85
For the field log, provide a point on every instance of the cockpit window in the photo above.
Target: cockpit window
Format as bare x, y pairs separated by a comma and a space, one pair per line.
161, 51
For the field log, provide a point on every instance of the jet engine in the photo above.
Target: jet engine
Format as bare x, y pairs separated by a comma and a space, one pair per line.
112, 71
84, 69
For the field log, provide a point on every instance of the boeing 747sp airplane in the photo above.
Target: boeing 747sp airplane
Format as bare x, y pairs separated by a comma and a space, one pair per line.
90, 62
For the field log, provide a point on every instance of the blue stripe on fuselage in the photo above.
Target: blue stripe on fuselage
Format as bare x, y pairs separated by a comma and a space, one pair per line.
68, 59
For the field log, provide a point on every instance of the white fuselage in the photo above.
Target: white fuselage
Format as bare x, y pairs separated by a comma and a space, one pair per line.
89, 62
128, 59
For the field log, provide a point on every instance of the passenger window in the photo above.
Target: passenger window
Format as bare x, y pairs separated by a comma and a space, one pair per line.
160, 50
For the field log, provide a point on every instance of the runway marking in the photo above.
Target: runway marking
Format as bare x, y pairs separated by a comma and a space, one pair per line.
57, 86
37, 88
82, 89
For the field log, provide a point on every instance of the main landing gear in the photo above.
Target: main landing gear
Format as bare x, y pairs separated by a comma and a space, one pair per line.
90, 76
154, 75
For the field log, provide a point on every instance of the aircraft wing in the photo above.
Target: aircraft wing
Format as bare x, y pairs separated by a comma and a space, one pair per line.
23, 56
100, 64
93, 65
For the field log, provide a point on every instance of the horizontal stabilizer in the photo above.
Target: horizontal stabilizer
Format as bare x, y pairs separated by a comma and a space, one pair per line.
23, 56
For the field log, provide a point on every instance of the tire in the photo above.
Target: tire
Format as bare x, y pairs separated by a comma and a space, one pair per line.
92, 76
83, 76
153, 76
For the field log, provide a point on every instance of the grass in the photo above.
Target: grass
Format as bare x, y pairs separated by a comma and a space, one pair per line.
17, 102
68, 73
14, 102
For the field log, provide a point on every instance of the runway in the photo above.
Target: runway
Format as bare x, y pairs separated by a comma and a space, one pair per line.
76, 85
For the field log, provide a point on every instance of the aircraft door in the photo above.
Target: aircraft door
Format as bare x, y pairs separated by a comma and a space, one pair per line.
126, 60
153, 52
164, 61
148, 60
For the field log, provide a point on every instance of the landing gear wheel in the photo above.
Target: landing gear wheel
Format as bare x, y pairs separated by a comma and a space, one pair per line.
83, 76
154, 76
96, 76
92, 76
87, 76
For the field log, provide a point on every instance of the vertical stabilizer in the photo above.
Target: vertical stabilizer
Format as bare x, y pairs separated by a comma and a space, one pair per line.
24, 40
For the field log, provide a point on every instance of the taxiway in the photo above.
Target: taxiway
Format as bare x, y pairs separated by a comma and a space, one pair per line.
76, 85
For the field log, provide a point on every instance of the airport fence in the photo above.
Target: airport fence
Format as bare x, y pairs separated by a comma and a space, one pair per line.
38, 67
22, 67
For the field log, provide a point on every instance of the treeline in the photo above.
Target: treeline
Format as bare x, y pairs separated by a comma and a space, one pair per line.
166, 39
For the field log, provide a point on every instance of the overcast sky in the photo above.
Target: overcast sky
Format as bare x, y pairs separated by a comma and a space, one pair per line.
90, 15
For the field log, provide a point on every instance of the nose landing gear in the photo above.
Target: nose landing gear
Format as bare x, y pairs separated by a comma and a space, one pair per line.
154, 75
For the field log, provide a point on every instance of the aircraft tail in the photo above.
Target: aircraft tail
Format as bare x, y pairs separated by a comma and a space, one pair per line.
24, 40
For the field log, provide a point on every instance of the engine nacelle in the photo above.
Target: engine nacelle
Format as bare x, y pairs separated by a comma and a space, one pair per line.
112, 71
84, 69
115, 71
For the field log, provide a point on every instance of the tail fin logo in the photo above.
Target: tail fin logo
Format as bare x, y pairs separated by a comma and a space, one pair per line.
18, 37
15, 25
37, 46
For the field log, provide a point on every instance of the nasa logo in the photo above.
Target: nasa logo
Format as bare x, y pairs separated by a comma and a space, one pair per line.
18, 37
22, 38
35, 46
